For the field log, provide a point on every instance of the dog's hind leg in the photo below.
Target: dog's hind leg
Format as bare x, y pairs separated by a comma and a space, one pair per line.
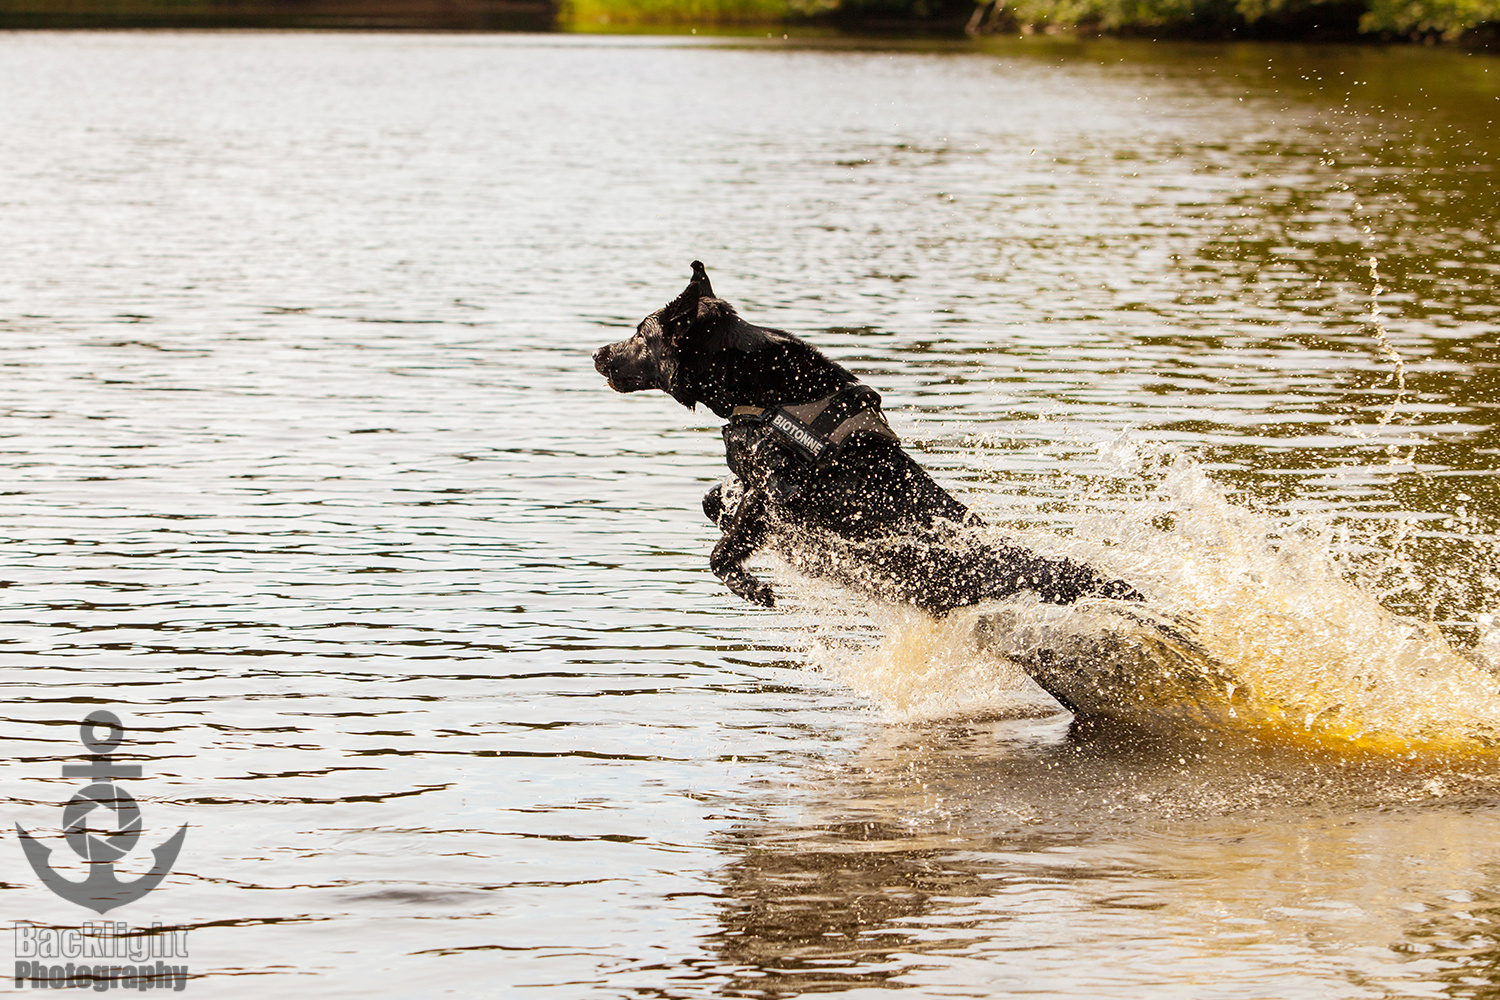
1059, 580
940, 574
744, 531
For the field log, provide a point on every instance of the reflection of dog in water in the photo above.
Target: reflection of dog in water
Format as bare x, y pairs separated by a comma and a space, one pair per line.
818, 474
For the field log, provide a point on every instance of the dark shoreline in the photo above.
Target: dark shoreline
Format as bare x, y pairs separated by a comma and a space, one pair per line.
365, 15
1335, 22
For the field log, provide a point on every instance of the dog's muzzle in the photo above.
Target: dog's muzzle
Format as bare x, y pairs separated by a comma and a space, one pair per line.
606, 364
624, 369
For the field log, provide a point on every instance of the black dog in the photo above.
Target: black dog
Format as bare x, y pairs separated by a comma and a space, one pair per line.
818, 474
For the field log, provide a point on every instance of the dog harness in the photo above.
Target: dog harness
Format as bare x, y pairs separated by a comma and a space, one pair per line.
817, 431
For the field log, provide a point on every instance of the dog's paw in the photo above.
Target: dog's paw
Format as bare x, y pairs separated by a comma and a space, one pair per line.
753, 590
763, 595
713, 504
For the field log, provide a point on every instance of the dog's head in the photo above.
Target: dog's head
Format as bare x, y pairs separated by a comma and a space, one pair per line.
698, 350
659, 356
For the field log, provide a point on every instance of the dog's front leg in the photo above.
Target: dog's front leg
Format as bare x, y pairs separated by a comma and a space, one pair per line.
744, 532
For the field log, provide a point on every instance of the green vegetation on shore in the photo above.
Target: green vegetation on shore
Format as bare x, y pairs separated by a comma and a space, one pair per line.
1475, 22
1423, 20
595, 15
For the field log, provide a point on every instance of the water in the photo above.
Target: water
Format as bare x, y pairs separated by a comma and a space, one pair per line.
309, 478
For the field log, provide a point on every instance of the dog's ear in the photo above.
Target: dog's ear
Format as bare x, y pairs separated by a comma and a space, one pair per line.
700, 281
677, 322
685, 306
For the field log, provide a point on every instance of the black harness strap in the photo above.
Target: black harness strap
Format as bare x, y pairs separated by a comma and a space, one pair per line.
816, 431
844, 405
809, 444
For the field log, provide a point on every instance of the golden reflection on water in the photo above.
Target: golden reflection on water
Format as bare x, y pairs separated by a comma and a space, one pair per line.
982, 854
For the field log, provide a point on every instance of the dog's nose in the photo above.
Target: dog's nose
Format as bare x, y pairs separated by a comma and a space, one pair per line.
601, 357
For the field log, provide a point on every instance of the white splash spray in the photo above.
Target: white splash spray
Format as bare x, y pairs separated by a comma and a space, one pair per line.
1282, 641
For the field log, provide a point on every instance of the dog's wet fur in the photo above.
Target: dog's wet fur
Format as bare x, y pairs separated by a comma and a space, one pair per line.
870, 517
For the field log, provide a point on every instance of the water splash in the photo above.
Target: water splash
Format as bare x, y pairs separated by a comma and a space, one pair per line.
1252, 624
1313, 652
1383, 344
926, 668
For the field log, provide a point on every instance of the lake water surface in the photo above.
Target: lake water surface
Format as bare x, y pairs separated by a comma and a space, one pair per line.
307, 476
